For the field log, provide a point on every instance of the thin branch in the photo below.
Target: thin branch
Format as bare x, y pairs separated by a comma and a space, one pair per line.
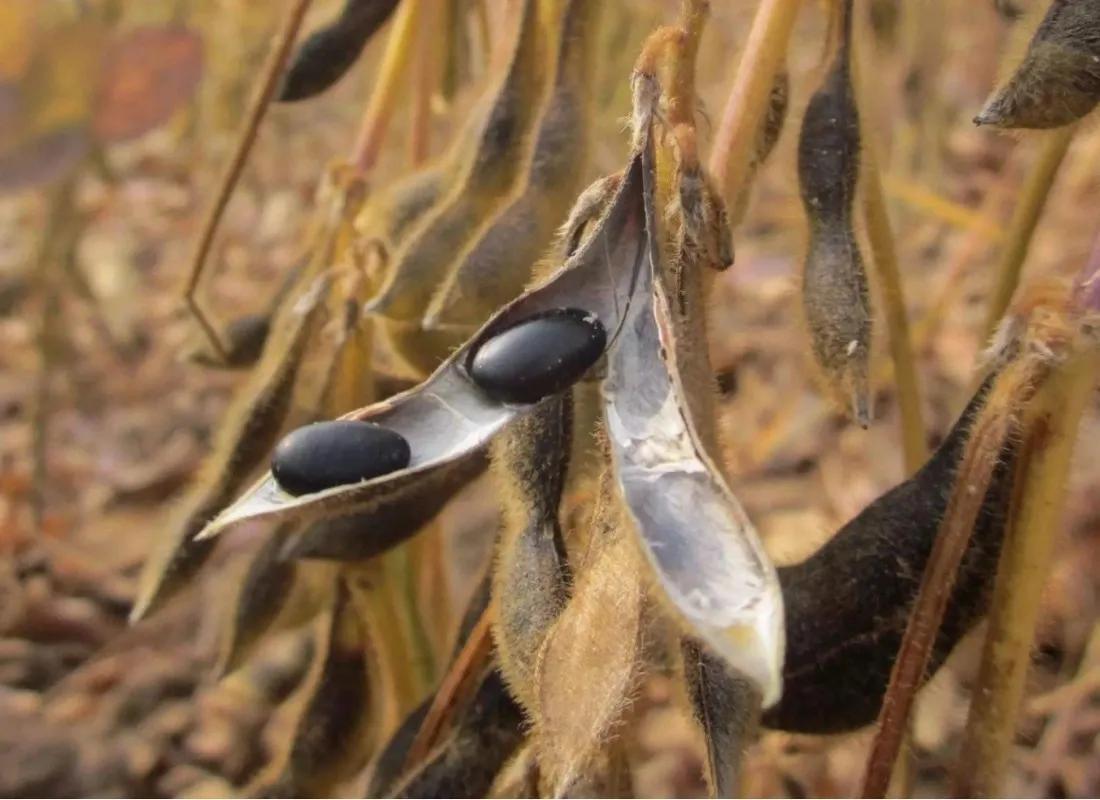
765, 52
261, 99
1033, 197
1041, 476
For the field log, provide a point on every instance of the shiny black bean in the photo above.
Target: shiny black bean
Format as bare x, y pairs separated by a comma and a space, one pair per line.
328, 454
539, 356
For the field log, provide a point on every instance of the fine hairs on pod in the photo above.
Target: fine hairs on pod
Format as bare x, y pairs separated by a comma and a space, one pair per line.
1058, 80
835, 294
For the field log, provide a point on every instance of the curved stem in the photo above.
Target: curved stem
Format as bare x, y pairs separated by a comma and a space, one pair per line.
272, 73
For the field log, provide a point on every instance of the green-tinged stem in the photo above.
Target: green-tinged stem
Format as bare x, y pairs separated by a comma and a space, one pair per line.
1033, 197
1041, 479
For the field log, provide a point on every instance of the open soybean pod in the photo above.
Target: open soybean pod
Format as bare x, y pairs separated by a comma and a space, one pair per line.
835, 295
335, 728
253, 421
706, 555
499, 264
530, 460
490, 177
449, 418
848, 603
330, 51
1058, 81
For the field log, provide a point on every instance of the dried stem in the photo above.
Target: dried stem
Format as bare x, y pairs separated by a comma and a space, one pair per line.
391, 73
272, 73
428, 75
1033, 197
885, 261
1012, 390
764, 53
456, 685
1040, 483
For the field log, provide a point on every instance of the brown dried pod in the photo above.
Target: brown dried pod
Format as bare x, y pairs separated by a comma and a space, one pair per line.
273, 594
484, 737
835, 295
334, 731
848, 603
490, 174
767, 136
499, 264
1058, 81
530, 586
253, 421
329, 52
726, 708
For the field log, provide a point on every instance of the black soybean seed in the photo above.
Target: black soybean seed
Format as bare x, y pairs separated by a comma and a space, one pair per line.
539, 356
328, 454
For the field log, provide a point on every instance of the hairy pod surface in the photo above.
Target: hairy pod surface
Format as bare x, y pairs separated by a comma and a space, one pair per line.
848, 603
1058, 81
334, 731
329, 52
489, 178
767, 136
500, 264
835, 295
530, 577
327, 454
484, 737
538, 357
253, 421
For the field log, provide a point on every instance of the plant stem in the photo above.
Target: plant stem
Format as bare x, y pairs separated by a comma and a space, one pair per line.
430, 46
261, 99
1033, 197
1041, 478
885, 261
391, 73
1012, 390
765, 52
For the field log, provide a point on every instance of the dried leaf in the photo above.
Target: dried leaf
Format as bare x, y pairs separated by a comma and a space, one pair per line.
848, 603
499, 264
447, 418
147, 76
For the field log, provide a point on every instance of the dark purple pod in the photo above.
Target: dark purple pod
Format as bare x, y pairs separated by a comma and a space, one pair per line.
538, 357
327, 454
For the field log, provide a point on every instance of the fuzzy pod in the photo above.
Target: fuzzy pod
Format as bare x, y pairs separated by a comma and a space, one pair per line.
835, 293
484, 737
500, 263
329, 52
848, 604
335, 726
1058, 81
767, 136
530, 586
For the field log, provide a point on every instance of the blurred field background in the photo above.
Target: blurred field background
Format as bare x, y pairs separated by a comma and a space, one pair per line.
103, 420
